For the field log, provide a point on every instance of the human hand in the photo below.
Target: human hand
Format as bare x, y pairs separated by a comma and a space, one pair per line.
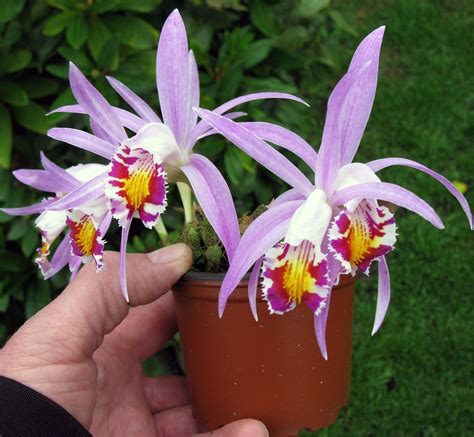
84, 351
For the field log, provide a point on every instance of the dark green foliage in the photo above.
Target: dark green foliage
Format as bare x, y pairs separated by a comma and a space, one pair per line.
415, 376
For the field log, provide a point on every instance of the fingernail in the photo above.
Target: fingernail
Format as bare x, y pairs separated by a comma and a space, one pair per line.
168, 254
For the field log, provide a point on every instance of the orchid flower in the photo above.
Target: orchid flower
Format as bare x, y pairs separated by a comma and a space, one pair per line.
161, 151
86, 225
305, 241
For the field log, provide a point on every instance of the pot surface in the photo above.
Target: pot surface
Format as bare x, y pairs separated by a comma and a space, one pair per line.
271, 370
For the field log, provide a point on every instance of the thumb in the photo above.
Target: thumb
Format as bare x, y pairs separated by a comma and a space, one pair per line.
240, 428
93, 305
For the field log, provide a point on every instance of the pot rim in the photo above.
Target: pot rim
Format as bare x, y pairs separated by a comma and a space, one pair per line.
207, 277
217, 278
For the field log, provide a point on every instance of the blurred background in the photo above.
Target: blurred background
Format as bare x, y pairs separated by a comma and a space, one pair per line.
415, 376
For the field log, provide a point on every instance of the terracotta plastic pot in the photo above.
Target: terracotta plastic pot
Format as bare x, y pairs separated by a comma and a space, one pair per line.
269, 370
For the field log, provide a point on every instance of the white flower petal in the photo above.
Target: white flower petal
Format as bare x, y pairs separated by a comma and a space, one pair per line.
354, 174
310, 221
157, 138
86, 172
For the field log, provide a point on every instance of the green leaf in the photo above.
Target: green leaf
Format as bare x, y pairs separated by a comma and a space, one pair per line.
133, 31
9, 9
17, 230
57, 23
40, 87
37, 297
138, 5
239, 164
62, 4
12, 34
263, 191
342, 23
269, 84
230, 82
5, 137
257, 52
263, 18
65, 98
101, 6
109, 58
58, 70
308, 8
13, 262
13, 94
32, 117
79, 57
4, 302
29, 242
77, 31
16, 61
99, 34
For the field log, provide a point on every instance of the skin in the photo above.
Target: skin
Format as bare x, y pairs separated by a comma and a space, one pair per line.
84, 351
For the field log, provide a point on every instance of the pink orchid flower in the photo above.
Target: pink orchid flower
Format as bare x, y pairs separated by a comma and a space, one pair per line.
86, 226
308, 238
160, 151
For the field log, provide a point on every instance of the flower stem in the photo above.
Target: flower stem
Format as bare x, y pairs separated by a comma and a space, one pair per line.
162, 232
186, 195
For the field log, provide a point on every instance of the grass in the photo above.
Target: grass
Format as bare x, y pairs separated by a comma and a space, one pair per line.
414, 378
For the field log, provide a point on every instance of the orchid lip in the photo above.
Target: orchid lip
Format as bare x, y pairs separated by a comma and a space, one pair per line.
136, 186
292, 275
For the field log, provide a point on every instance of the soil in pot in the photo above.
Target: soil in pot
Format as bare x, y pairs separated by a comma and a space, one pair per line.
271, 370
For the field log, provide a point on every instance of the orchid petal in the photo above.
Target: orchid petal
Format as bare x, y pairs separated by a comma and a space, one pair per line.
59, 173
85, 172
194, 91
357, 238
40, 180
137, 103
59, 260
100, 132
262, 234
157, 138
51, 224
310, 221
380, 164
29, 210
86, 239
284, 138
365, 64
136, 186
329, 156
83, 140
295, 274
287, 196
74, 266
95, 104
320, 321
253, 287
129, 120
229, 115
81, 195
258, 150
354, 174
202, 127
390, 193
215, 199
123, 257
105, 224
383, 297
172, 66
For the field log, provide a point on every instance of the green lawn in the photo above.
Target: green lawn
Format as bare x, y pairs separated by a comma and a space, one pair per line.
415, 377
